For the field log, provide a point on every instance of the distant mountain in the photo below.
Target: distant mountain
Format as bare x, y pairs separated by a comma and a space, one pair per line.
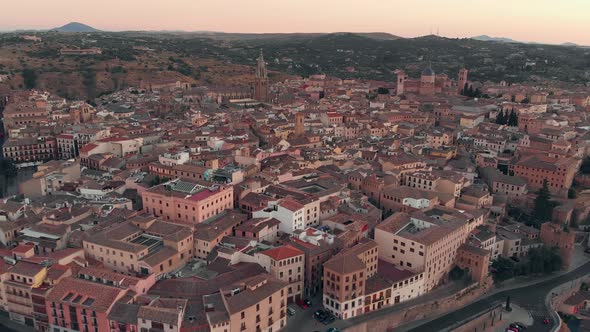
570, 44
75, 27
495, 39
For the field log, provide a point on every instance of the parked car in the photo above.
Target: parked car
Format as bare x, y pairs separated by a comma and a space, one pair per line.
546, 321
332, 329
519, 325
304, 303
320, 314
329, 319
512, 329
515, 327
290, 311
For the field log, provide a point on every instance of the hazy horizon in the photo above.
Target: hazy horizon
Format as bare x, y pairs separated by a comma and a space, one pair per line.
543, 21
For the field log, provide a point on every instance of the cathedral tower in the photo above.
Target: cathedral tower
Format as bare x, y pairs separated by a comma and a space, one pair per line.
401, 80
462, 80
261, 81
299, 124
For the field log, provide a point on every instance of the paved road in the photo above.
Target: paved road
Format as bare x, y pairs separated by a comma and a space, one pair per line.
531, 297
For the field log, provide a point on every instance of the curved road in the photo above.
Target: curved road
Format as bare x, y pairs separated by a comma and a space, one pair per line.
530, 297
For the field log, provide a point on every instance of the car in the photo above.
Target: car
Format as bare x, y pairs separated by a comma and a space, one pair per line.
546, 321
520, 325
308, 302
290, 311
319, 314
329, 319
302, 303
514, 326
514, 258
332, 329
512, 329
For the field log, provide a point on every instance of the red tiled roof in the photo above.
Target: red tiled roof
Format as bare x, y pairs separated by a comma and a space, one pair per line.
88, 147
23, 248
104, 296
282, 252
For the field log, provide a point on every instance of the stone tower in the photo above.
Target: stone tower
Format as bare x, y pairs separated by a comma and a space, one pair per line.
401, 80
261, 81
462, 80
299, 124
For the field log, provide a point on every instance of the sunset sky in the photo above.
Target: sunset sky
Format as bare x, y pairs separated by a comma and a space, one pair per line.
550, 21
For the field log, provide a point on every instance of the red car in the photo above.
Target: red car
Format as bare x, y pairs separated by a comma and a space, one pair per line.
304, 303
546, 321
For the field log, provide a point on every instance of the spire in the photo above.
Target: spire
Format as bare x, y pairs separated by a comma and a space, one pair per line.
261, 67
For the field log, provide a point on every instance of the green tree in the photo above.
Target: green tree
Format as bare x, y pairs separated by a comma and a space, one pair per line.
571, 193
383, 91
585, 168
512, 119
502, 269
29, 78
544, 260
543, 205
7, 168
500, 118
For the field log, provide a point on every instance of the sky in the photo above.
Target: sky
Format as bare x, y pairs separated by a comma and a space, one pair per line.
548, 21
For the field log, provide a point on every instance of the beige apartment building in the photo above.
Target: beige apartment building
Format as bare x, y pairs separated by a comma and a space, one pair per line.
345, 277
209, 234
425, 241
50, 177
285, 263
142, 245
255, 304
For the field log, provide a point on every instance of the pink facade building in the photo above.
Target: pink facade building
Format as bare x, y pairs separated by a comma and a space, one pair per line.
188, 201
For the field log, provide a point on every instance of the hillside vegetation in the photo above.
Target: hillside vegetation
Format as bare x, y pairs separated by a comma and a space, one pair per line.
210, 58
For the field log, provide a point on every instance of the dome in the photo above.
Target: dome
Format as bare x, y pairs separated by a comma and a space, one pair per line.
428, 71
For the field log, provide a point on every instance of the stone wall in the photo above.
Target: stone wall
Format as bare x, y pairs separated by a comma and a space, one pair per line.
424, 310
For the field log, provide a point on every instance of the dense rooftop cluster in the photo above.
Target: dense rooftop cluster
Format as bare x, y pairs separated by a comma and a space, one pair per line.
171, 207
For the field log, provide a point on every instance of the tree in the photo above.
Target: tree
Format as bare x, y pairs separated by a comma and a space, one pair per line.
571, 193
512, 119
525, 101
29, 78
585, 168
383, 91
503, 268
477, 93
500, 118
544, 260
7, 168
543, 205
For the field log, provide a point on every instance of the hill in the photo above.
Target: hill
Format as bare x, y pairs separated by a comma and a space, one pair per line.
75, 27
495, 39
213, 59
